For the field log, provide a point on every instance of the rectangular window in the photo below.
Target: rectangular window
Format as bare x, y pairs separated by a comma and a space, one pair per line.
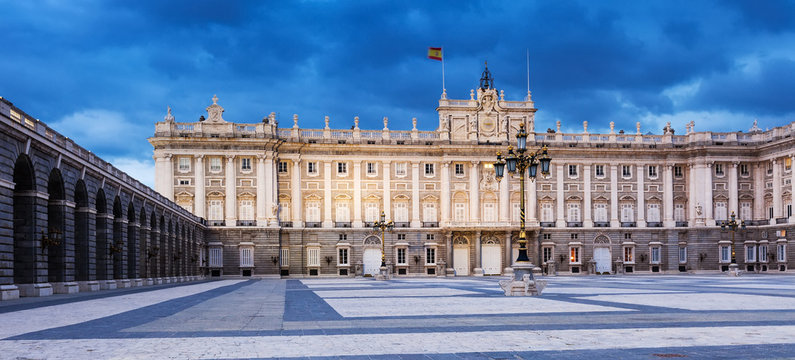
572, 170
311, 168
750, 253
745, 211
787, 164
313, 212
401, 212
627, 236
547, 214
216, 257
401, 256
678, 171
245, 164
430, 256
184, 181
573, 212
342, 168
629, 254
184, 164
763, 253
282, 167
653, 213
652, 171
627, 213
719, 169
744, 170
372, 168
679, 212
429, 212
574, 236
489, 213
720, 211
284, 211
725, 254
246, 210
682, 255
516, 212
371, 212
600, 170
459, 169
343, 213
574, 255
400, 169
215, 210
655, 255
401, 237
626, 171
429, 170
547, 252
342, 256
429, 237
313, 256
600, 212
284, 257
246, 257
460, 212
781, 252
215, 164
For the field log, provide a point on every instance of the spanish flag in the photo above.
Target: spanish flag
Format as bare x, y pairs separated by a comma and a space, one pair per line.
435, 53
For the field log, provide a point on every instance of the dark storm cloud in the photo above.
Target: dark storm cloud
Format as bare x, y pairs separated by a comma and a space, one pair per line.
76, 63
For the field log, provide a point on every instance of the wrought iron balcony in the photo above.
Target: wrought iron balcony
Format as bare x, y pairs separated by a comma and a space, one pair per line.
342, 224
430, 224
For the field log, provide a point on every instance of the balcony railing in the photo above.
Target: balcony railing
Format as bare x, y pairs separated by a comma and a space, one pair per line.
216, 222
601, 224
574, 223
401, 224
312, 224
287, 224
681, 224
781, 221
547, 224
368, 224
430, 224
654, 224
342, 224
246, 223
628, 224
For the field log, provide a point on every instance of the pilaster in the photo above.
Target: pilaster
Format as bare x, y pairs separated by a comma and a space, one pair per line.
387, 191
297, 197
733, 195
668, 196
614, 196
261, 191
327, 223
641, 219
357, 194
587, 220
200, 194
474, 192
445, 201
230, 192
415, 194
561, 219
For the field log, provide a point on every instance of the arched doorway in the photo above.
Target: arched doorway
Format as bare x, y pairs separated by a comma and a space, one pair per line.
601, 254
371, 257
461, 256
132, 242
53, 241
24, 221
118, 239
102, 236
490, 255
82, 255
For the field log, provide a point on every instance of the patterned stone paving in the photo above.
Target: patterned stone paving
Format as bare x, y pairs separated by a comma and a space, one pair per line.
582, 317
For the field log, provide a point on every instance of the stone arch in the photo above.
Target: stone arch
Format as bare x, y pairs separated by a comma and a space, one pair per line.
490, 240
102, 235
372, 241
56, 224
601, 240
174, 246
132, 241
460, 240
24, 221
82, 246
117, 244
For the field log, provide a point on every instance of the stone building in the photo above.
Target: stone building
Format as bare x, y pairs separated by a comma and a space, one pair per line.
71, 222
301, 202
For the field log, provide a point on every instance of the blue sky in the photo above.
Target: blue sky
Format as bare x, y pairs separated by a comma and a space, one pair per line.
102, 72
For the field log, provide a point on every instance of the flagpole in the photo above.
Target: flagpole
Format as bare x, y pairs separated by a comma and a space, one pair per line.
443, 88
528, 70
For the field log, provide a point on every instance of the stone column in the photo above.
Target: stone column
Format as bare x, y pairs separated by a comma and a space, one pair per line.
415, 194
449, 247
531, 206
777, 197
478, 247
759, 192
200, 194
508, 260
505, 200
271, 195
357, 194
231, 191
387, 191
297, 200
733, 195
587, 220
614, 196
445, 201
668, 196
474, 193
707, 193
692, 198
327, 222
561, 210
164, 176
261, 192
641, 197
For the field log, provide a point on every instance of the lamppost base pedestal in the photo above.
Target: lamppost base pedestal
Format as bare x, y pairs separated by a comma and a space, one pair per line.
734, 270
522, 283
383, 274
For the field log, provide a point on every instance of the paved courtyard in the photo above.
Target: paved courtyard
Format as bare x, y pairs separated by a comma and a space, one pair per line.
576, 318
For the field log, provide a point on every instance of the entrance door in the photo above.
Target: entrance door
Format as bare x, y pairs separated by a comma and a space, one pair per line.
461, 261
491, 259
372, 261
602, 257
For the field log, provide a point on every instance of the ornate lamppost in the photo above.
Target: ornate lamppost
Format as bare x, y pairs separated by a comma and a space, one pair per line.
517, 162
732, 226
383, 225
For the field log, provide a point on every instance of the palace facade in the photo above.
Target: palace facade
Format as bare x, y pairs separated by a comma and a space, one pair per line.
302, 202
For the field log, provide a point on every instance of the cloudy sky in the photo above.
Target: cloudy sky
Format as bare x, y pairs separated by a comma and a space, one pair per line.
102, 72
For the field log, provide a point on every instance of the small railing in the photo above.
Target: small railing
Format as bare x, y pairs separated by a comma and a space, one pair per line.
312, 224
401, 224
430, 224
286, 224
654, 224
574, 223
601, 224
216, 223
342, 224
246, 223
547, 224
628, 224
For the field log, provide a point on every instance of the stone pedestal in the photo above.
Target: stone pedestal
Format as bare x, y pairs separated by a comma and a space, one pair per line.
383, 274
734, 270
124, 283
478, 272
619, 266
65, 288
107, 284
158, 281
88, 286
149, 281
592, 267
551, 269
9, 292
522, 283
138, 282
35, 290
450, 271
507, 271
